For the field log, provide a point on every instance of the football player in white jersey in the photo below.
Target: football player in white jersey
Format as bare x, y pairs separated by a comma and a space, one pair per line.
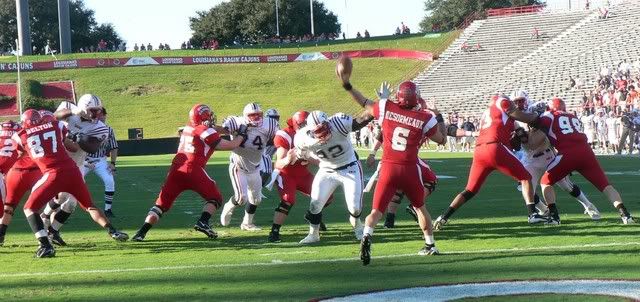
266, 166
613, 124
327, 139
81, 121
536, 153
588, 128
244, 168
600, 120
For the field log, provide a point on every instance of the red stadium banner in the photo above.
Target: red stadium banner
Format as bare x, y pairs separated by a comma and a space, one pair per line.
150, 61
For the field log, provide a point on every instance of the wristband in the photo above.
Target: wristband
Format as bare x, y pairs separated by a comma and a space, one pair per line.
347, 86
439, 118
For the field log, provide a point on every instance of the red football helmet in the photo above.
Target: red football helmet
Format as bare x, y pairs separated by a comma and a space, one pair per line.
407, 94
557, 104
30, 118
200, 114
299, 120
10, 126
47, 116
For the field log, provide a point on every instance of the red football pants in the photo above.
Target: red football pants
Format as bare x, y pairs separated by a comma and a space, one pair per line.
394, 177
490, 157
53, 181
184, 178
288, 185
18, 182
581, 160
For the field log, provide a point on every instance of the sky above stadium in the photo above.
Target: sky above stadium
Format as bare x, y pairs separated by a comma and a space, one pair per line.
152, 21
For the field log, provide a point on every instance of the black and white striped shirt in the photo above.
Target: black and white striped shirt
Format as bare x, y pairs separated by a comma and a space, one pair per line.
107, 145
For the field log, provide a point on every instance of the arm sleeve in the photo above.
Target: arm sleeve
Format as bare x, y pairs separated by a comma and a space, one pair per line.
210, 136
282, 140
113, 143
430, 127
342, 123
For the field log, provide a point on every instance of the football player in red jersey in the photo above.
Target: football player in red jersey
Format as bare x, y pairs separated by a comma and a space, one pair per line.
294, 175
198, 141
22, 176
574, 154
8, 157
404, 127
493, 152
45, 143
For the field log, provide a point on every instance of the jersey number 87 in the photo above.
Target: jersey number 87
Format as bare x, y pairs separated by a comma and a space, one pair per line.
35, 144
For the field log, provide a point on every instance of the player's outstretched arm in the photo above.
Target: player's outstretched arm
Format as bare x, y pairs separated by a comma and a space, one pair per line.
62, 114
226, 145
362, 121
284, 157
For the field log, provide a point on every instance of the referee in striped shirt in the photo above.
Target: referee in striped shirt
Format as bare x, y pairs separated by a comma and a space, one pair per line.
97, 162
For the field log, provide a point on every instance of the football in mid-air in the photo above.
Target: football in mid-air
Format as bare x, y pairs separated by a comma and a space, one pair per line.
344, 67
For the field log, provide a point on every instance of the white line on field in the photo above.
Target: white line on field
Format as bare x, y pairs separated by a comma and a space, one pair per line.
290, 253
277, 262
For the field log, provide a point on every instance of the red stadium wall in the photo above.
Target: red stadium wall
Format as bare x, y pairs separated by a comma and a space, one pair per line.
50, 90
147, 61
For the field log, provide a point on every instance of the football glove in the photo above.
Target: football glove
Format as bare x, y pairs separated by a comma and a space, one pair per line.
385, 91
242, 130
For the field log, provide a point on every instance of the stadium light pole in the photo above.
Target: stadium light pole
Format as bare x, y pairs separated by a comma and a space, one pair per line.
313, 32
277, 20
18, 53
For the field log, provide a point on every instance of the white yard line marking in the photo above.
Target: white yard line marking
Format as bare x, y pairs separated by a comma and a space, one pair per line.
626, 289
289, 253
278, 262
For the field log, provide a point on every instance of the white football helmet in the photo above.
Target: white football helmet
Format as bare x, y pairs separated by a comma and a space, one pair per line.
273, 113
89, 107
318, 123
252, 113
517, 96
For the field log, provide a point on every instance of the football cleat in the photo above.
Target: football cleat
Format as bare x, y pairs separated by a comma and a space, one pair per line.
553, 221
227, 212
119, 236
593, 212
109, 214
365, 250
250, 227
627, 220
205, 229
537, 218
323, 227
359, 231
55, 238
390, 222
542, 208
138, 237
439, 223
311, 238
428, 249
45, 251
274, 237
411, 211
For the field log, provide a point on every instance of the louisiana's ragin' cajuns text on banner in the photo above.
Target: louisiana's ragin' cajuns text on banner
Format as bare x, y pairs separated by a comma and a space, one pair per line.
148, 61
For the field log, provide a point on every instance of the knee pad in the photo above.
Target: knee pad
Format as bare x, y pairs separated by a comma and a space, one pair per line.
215, 203
314, 219
8, 210
156, 211
70, 205
284, 208
575, 191
397, 197
430, 186
467, 194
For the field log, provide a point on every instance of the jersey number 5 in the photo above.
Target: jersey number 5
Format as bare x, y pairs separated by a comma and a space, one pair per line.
35, 144
569, 126
399, 139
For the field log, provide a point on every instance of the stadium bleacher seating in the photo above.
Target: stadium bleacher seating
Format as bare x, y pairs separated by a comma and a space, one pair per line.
573, 43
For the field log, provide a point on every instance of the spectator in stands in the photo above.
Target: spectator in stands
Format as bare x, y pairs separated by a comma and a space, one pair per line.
161, 46
366, 34
572, 83
344, 36
92, 48
135, 47
102, 45
189, 45
358, 36
535, 34
398, 32
149, 47
604, 12
183, 45
587, 4
142, 48
166, 46
48, 50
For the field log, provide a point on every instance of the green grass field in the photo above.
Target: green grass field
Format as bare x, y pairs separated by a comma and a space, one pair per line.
489, 239
434, 44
